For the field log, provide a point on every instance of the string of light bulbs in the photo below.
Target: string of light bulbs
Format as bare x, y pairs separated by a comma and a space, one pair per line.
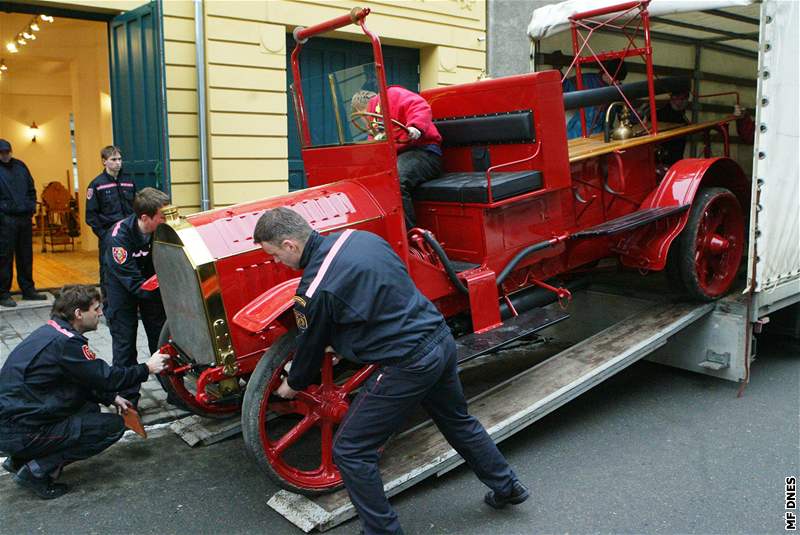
28, 33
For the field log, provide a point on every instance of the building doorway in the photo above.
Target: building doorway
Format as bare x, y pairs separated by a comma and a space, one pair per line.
85, 81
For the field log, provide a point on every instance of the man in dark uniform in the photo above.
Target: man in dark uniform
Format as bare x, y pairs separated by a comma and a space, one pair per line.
50, 388
109, 198
673, 112
128, 265
356, 296
17, 205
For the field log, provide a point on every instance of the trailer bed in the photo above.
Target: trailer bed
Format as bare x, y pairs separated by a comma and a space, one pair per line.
507, 407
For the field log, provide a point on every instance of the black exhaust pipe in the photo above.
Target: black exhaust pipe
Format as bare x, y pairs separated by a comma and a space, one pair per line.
535, 297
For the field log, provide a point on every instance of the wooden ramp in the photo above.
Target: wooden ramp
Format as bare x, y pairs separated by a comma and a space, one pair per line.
506, 408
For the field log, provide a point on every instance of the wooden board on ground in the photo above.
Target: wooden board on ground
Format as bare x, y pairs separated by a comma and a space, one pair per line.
506, 408
196, 430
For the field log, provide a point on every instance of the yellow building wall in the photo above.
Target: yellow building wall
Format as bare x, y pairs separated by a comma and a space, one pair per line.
246, 80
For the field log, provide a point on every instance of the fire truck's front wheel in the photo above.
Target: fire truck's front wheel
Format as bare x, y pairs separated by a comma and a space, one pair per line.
292, 440
181, 390
705, 258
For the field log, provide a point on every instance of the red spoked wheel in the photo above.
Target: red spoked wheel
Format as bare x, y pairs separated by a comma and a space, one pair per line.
705, 259
292, 440
181, 389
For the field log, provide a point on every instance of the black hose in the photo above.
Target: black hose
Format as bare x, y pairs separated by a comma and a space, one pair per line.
522, 254
448, 267
608, 94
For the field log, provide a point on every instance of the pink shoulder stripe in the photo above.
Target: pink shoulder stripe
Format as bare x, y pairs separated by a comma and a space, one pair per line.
116, 227
327, 263
60, 329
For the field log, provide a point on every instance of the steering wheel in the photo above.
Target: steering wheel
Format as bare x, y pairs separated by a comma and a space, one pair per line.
372, 123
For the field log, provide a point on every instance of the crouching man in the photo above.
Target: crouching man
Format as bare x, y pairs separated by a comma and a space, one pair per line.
50, 388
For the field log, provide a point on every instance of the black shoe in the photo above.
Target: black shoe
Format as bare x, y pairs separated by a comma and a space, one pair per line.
519, 493
34, 296
8, 302
11, 466
43, 487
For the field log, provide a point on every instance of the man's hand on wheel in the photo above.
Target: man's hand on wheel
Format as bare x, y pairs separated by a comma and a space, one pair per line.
414, 133
285, 391
157, 362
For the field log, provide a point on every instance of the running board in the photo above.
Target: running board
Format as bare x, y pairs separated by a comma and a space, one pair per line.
505, 409
630, 221
474, 345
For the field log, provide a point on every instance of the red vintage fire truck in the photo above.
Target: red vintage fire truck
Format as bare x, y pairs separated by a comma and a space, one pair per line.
517, 205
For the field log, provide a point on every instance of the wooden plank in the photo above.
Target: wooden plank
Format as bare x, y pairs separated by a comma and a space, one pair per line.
506, 408
595, 146
195, 430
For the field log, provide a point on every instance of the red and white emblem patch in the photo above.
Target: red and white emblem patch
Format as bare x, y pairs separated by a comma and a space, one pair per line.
88, 353
89, 193
120, 254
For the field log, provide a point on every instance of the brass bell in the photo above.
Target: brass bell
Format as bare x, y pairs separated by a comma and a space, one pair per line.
625, 129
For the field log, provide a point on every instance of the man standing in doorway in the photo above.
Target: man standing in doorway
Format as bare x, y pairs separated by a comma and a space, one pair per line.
128, 264
109, 198
356, 296
17, 205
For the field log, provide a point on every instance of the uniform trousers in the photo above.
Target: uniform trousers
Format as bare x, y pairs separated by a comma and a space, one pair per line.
124, 311
16, 241
49, 447
431, 378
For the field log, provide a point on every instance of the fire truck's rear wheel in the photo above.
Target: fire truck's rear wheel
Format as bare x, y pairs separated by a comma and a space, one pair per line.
292, 440
181, 390
706, 256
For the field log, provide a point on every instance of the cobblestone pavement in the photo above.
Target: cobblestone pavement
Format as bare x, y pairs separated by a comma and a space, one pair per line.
17, 323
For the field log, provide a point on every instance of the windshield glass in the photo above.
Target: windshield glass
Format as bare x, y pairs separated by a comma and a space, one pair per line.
331, 118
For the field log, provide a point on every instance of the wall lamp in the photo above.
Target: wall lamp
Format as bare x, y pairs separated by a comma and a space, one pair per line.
33, 131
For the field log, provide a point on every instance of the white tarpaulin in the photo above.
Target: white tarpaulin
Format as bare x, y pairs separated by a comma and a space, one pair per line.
550, 19
775, 223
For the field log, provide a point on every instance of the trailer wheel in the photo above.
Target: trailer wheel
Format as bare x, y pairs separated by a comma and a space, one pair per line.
181, 392
292, 440
709, 249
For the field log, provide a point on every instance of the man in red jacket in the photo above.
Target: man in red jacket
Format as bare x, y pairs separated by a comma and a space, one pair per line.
419, 152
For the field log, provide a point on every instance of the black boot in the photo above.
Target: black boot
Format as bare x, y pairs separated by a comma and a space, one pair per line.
12, 465
33, 295
519, 493
43, 487
7, 301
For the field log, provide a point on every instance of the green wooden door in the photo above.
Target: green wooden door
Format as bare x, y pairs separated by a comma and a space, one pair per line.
326, 55
135, 95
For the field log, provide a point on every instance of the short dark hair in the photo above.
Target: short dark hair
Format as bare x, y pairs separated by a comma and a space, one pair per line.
281, 223
109, 151
616, 68
148, 201
71, 297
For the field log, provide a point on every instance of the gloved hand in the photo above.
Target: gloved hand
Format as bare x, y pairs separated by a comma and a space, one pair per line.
414, 133
738, 111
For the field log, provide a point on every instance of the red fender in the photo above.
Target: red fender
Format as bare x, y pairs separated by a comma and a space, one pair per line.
648, 247
259, 313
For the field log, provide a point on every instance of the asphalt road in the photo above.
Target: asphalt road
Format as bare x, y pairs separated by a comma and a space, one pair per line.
652, 450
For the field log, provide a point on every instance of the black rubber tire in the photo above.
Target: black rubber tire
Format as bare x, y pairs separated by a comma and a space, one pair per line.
251, 407
172, 396
681, 268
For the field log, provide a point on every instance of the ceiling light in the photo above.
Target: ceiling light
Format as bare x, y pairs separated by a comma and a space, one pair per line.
12, 47
46, 18
35, 26
21, 40
3, 66
28, 36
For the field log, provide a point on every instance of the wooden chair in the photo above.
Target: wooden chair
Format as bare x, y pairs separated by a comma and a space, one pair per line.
55, 228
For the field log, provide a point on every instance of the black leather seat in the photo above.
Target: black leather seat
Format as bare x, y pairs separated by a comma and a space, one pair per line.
471, 187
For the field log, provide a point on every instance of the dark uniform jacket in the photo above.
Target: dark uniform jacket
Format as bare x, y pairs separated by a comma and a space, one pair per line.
108, 200
356, 296
17, 192
51, 374
127, 259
